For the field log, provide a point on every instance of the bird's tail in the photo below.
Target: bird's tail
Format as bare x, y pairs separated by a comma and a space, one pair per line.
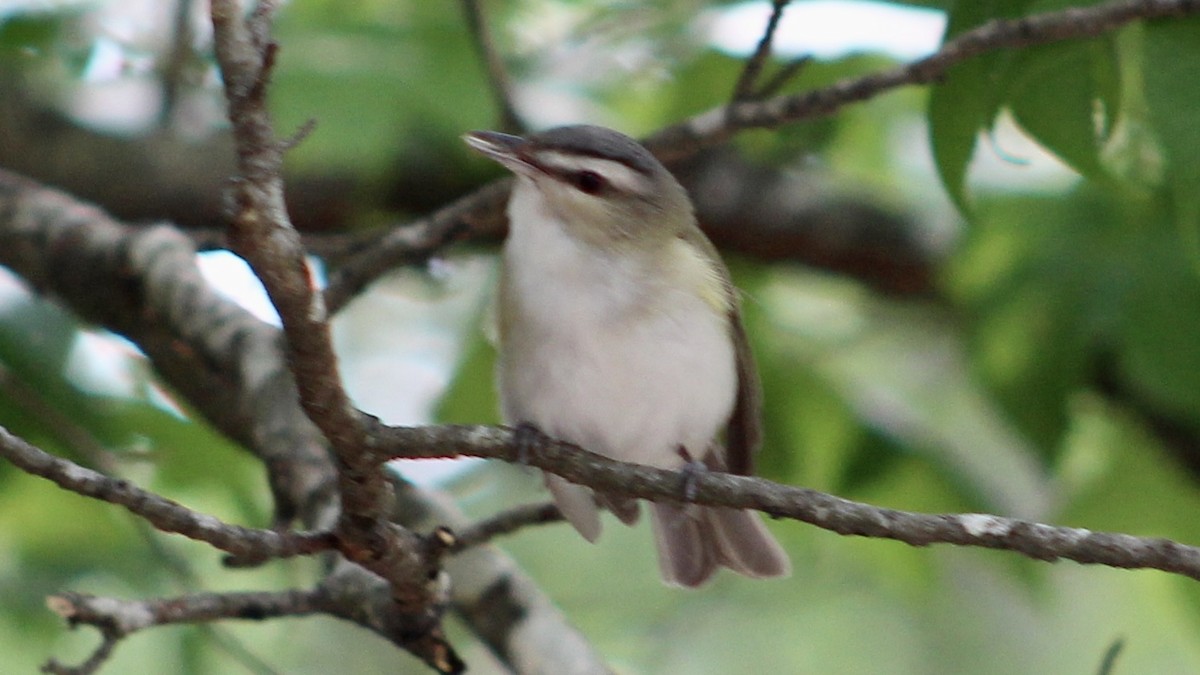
693, 541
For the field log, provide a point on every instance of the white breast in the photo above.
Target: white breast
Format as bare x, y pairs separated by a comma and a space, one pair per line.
605, 350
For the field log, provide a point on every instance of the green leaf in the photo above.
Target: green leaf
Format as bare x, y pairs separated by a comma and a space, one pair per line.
966, 100
956, 114
1045, 278
1054, 91
25, 35
1160, 352
1172, 79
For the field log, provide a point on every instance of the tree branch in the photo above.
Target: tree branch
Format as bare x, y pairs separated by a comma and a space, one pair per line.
505, 522
165, 178
117, 619
508, 610
747, 82
262, 234
177, 60
497, 76
143, 283
162, 513
719, 124
481, 213
79, 439
1033, 540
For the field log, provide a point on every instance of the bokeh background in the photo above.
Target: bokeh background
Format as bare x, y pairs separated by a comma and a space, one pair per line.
982, 296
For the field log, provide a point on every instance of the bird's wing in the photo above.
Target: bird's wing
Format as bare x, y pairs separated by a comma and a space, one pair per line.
744, 432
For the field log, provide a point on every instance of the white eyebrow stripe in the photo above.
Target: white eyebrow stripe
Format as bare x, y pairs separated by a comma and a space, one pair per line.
617, 174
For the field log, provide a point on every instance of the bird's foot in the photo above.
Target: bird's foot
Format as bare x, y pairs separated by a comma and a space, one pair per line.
691, 471
527, 438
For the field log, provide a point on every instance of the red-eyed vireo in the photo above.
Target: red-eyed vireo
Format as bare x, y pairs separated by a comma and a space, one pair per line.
619, 331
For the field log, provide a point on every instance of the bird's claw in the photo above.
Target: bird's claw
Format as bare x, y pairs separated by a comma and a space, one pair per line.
526, 438
691, 472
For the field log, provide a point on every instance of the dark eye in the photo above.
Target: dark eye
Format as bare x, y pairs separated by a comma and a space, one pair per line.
589, 182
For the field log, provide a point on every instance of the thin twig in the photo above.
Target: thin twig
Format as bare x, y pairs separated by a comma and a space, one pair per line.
178, 59
117, 619
416, 242
785, 74
160, 512
747, 82
81, 440
109, 638
298, 136
497, 74
506, 522
719, 124
1109, 662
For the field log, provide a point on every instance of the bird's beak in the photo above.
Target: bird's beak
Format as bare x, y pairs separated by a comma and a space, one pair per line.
503, 148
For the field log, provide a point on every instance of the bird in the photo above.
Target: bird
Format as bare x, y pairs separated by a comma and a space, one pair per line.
619, 330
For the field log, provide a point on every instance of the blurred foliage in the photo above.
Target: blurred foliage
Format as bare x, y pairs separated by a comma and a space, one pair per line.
1037, 382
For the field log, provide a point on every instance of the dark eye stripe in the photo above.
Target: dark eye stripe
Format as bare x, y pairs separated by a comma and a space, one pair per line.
588, 182
590, 175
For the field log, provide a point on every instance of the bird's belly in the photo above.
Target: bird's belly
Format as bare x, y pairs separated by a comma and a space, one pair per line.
634, 388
